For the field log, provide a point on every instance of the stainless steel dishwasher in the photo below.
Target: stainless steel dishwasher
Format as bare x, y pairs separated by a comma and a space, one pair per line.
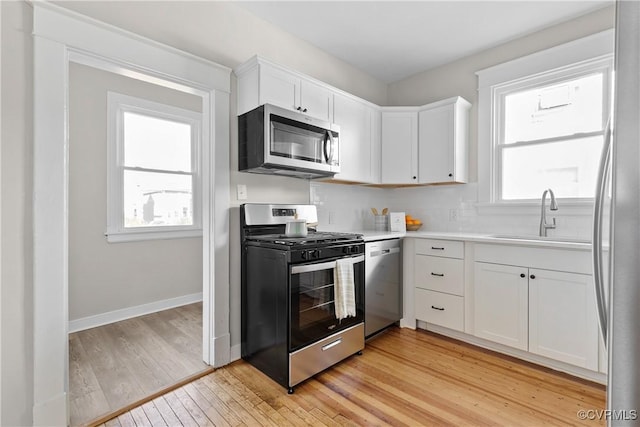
383, 285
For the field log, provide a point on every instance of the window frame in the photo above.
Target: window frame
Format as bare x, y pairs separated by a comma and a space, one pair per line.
117, 105
565, 57
602, 66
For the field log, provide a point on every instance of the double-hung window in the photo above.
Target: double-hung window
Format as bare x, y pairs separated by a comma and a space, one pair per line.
542, 121
154, 170
550, 133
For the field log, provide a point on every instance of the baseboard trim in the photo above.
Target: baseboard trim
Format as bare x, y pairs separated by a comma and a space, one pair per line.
236, 352
129, 312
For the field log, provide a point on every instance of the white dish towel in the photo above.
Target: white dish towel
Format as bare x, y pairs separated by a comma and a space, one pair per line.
344, 289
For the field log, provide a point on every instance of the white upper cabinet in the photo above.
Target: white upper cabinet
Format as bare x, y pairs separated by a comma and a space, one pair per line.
359, 140
443, 130
315, 100
261, 82
399, 153
426, 145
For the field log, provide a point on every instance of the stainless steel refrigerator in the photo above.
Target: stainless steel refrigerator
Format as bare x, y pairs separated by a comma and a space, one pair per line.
618, 277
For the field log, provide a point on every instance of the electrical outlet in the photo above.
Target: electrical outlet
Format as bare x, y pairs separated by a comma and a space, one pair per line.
241, 191
453, 214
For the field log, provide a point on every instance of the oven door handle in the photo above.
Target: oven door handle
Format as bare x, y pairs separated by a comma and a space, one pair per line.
308, 268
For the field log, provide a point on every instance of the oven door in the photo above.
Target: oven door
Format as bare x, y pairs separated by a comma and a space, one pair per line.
312, 305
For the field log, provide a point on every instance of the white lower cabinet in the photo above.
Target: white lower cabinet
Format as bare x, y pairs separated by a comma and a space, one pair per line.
440, 309
562, 317
548, 313
501, 304
438, 278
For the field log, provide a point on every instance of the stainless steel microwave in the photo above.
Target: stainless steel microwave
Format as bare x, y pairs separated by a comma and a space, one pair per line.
273, 140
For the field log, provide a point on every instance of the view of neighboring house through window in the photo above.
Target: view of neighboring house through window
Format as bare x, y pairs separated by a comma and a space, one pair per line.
549, 133
154, 170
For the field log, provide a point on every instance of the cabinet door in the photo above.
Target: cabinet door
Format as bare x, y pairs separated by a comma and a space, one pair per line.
562, 317
500, 304
316, 100
436, 145
356, 154
443, 142
399, 160
279, 88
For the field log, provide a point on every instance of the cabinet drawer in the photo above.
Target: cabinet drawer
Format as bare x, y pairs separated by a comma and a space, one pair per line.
440, 309
443, 248
439, 274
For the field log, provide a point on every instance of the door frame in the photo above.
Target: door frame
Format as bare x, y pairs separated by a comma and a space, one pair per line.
61, 37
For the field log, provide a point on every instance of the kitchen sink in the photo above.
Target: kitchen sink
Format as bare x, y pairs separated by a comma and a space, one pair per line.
533, 237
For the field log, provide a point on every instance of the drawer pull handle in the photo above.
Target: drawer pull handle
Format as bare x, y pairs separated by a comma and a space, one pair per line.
333, 344
437, 249
437, 274
437, 308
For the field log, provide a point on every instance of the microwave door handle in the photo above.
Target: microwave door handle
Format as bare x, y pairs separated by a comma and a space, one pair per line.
328, 143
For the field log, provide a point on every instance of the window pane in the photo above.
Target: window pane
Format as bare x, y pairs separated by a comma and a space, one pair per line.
569, 168
567, 108
154, 143
157, 199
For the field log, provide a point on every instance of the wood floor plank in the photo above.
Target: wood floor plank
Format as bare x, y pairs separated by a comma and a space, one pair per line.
403, 378
216, 403
140, 417
181, 412
168, 415
153, 414
113, 423
116, 380
192, 408
115, 365
244, 415
126, 420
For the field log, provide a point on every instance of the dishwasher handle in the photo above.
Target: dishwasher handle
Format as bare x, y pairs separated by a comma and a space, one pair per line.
382, 252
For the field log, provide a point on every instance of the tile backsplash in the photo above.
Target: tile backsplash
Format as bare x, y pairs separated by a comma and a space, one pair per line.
452, 208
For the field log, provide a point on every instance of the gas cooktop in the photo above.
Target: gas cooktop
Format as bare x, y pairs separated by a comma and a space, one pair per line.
313, 238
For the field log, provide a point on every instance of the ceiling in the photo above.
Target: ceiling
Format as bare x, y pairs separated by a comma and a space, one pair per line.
392, 40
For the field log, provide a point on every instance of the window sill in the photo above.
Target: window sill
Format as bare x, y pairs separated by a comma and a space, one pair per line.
576, 208
135, 236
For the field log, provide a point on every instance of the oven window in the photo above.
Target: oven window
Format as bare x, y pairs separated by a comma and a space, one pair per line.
315, 298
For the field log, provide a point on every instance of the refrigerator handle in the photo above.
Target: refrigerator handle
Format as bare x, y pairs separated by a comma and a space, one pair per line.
596, 249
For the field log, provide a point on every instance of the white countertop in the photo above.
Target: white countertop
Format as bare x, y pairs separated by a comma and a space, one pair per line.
549, 242
526, 240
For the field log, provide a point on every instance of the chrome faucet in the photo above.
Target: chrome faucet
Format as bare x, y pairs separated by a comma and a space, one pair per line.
543, 216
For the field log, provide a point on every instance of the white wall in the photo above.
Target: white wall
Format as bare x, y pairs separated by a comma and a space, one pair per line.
105, 277
16, 370
459, 79
453, 207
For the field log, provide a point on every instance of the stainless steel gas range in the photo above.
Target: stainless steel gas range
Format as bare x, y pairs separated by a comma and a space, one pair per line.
289, 326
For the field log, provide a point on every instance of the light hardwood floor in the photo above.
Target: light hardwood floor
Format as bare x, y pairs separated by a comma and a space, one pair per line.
118, 364
403, 378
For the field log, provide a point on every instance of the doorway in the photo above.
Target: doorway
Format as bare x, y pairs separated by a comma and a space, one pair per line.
115, 362
61, 38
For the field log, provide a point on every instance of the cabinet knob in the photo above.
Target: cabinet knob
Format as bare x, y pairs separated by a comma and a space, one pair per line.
299, 108
450, 175
533, 276
522, 275
414, 177
304, 111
